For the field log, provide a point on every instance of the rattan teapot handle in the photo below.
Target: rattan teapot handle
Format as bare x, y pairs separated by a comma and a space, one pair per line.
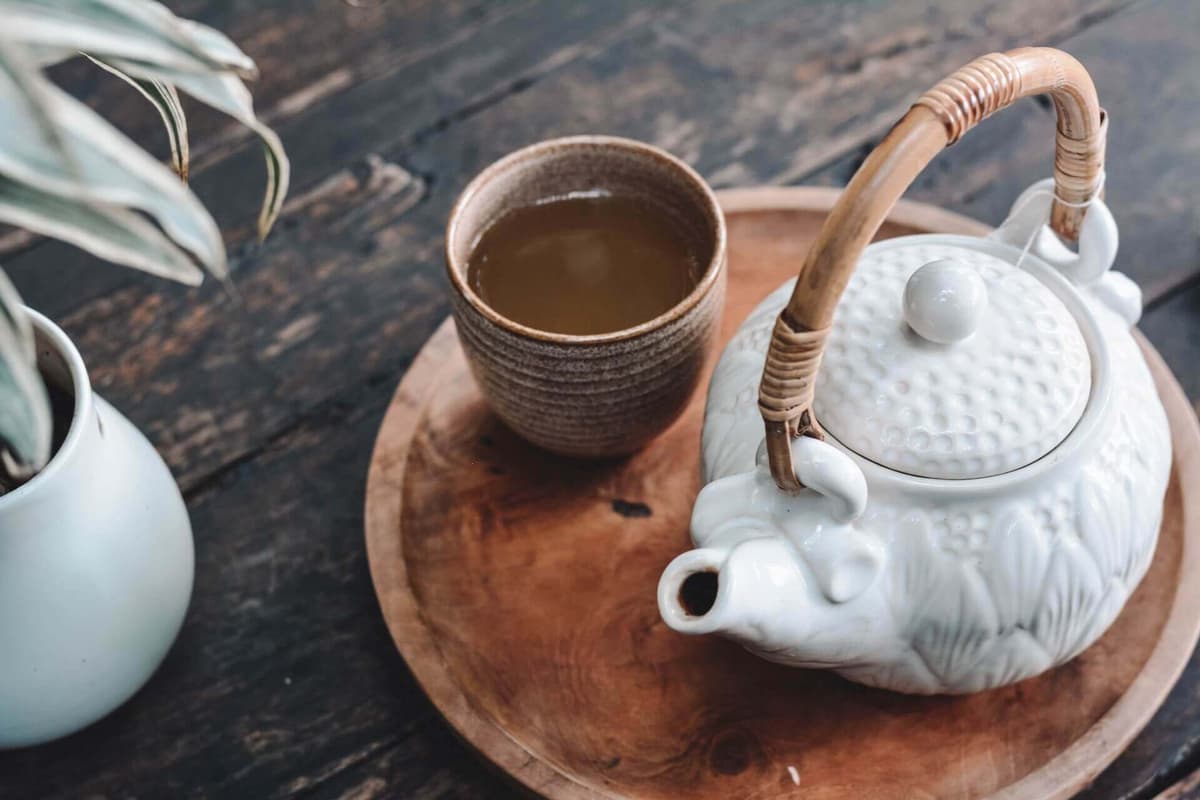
936, 120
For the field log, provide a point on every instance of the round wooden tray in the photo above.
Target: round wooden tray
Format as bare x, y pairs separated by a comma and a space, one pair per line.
520, 588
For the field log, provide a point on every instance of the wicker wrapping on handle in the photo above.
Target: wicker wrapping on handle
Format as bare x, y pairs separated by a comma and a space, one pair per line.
938, 119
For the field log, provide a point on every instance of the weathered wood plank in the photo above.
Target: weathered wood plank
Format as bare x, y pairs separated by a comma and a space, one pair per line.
402, 75
1186, 789
306, 50
284, 680
382, 37
407, 92
788, 91
1144, 67
348, 287
1174, 328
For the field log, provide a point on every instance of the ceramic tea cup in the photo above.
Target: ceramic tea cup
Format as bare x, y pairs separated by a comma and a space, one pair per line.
589, 395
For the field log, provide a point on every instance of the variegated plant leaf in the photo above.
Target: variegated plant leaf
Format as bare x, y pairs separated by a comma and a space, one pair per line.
220, 48
226, 93
29, 96
66, 173
108, 231
94, 162
131, 28
25, 422
165, 99
173, 52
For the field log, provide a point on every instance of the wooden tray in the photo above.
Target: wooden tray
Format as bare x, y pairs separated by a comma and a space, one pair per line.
520, 588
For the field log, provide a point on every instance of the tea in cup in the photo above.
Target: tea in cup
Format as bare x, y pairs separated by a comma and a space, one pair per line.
589, 279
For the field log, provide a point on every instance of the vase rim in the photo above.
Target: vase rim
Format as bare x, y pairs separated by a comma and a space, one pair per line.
51, 339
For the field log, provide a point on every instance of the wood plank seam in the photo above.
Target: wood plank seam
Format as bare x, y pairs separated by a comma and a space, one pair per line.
1180, 781
331, 412
217, 149
220, 149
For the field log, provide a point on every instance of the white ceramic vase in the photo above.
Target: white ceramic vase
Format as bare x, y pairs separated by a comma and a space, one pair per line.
96, 566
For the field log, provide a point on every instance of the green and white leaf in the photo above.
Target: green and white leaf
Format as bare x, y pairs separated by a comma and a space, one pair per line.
179, 53
226, 93
129, 28
108, 231
218, 47
67, 173
25, 422
94, 162
165, 99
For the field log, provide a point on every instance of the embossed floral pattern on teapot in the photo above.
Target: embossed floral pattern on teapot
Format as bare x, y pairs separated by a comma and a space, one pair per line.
963, 471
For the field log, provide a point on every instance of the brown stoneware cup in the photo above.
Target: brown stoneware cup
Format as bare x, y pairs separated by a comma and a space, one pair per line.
597, 395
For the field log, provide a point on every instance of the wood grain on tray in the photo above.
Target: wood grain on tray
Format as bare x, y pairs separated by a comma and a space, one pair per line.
521, 592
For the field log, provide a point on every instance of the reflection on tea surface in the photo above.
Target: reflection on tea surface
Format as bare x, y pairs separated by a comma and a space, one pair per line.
584, 264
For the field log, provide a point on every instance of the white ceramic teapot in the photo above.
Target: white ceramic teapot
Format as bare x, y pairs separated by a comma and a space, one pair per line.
984, 488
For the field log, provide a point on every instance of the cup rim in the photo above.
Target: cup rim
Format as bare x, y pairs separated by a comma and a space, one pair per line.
708, 278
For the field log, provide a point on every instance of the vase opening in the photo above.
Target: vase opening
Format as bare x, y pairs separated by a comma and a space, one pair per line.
69, 391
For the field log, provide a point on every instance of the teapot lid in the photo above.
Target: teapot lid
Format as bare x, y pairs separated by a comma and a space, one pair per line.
946, 361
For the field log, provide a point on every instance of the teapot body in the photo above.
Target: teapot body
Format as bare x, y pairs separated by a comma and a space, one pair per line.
931, 585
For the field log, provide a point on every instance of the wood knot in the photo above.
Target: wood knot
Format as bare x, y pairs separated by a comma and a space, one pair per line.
631, 509
733, 752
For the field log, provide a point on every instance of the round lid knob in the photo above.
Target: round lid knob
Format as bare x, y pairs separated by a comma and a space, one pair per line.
944, 301
1010, 385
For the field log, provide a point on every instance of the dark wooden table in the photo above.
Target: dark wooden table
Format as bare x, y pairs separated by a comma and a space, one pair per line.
284, 681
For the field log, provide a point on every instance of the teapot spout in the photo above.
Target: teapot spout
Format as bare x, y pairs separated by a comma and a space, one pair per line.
689, 591
737, 592
763, 594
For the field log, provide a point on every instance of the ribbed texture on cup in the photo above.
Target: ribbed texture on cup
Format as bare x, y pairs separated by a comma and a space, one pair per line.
593, 400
